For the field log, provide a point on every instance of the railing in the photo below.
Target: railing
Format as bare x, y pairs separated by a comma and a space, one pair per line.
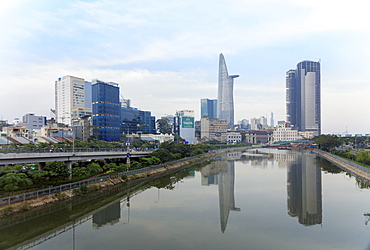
348, 162
354, 169
68, 150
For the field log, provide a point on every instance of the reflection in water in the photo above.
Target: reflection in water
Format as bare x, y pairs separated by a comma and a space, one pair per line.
304, 190
222, 172
108, 215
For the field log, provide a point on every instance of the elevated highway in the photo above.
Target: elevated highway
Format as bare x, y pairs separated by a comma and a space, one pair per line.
71, 156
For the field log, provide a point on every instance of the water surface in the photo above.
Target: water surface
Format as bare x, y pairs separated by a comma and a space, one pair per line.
273, 200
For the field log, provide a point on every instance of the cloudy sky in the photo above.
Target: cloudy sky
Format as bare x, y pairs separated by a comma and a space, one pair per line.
164, 53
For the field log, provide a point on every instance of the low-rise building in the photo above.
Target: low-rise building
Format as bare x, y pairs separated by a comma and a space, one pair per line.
32, 122
256, 136
234, 137
82, 128
284, 132
213, 129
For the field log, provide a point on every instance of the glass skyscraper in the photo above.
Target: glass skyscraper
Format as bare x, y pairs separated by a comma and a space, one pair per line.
303, 97
225, 94
208, 108
106, 110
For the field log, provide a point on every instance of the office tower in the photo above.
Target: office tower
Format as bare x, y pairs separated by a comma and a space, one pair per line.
208, 108
135, 121
72, 99
146, 122
303, 97
225, 98
106, 110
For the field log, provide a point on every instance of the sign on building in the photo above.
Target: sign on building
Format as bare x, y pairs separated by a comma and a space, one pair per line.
187, 122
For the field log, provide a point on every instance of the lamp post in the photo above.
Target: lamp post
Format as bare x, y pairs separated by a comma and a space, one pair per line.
73, 141
62, 133
128, 133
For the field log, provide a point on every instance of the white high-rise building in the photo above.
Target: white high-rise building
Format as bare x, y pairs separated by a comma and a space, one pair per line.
259, 123
72, 99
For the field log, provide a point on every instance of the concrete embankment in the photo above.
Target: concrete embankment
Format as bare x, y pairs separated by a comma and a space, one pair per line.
354, 169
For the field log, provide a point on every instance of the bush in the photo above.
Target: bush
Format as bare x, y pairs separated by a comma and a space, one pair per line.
7, 211
76, 191
93, 187
25, 206
94, 168
109, 166
84, 189
60, 196
124, 177
135, 165
120, 168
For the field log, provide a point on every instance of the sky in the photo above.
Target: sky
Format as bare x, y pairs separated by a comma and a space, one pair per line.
164, 53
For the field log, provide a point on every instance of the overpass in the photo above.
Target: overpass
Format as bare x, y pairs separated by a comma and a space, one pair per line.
69, 156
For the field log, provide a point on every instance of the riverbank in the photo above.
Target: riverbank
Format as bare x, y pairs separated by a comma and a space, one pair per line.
52, 198
353, 168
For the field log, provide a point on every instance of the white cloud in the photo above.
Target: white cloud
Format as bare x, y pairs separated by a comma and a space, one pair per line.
128, 41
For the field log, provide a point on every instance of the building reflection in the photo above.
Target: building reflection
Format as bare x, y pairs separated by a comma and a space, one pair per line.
304, 189
109, 215
221, 172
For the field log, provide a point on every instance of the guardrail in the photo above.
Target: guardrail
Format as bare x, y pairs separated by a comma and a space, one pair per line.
68, 150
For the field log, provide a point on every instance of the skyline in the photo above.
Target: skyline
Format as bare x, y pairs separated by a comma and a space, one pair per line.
164, 55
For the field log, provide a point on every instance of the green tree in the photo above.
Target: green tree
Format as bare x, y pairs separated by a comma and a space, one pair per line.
39, 176
109, 166
80, 172
363, 157
164, 126
14, 181
94, 168
57, 170
328, 142
163, 154
150, 161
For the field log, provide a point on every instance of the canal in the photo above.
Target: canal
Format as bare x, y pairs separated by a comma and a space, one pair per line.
273, 199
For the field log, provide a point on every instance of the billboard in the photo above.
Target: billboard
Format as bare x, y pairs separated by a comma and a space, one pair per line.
187, 122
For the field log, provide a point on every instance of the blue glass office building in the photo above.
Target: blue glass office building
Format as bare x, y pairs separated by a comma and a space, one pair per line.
303, 91
106, 110
137, 121
208, 108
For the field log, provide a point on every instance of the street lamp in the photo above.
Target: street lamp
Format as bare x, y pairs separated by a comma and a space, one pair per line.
128, 133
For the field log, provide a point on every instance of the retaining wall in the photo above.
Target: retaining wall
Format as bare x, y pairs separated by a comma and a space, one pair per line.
355, 169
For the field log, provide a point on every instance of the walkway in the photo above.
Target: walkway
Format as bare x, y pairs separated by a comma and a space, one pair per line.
355, 169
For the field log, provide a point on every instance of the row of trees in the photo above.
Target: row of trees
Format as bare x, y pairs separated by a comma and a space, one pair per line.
360, 156
356, 152
328, 142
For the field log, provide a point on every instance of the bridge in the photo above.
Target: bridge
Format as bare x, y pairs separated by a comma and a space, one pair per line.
67, 156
